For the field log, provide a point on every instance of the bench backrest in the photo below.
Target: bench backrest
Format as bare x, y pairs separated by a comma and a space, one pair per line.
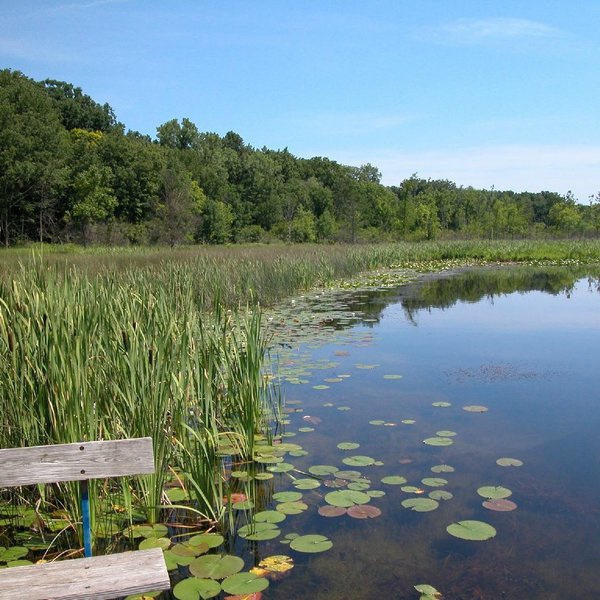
75, 462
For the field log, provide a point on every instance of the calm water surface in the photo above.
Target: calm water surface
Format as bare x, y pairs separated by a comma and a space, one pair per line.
532, 358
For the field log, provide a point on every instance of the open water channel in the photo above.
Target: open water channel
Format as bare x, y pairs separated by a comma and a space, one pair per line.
503, 364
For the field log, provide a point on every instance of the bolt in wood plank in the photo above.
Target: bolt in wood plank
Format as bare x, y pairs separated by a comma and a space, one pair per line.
75, 462
98, 578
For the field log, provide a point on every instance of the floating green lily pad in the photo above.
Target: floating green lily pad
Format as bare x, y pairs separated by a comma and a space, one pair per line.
440, 495
428, 592
311, 543
323, 469
442, 469
494, 492
244, 583
434, 481
288, 496
420, 504
348, 445
349, 475
269, 516
377, 422
306, 484
291, 508
394, 480
320, 387
193, 588
148, 543
438, 441
346, 498
216, 566
445, 433
509, 462
392, 376
280, 468
259, 532
358, 461
306, 429
408, 421
441, 404
212, 540
471, 530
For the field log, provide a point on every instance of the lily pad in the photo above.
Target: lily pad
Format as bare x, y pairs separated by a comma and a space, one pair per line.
494, 492
347, 498
442, 469
287, 496
254, 529
331, 511
438, 441
311, 543
215, 566
291, 508
377, 422
441, 404
365, 511
323, 469
434, 481
269, 516
392, 376
193, 588
348, 445
509, 462
244, 583
499, 504
394, 480
445, 433
471, 530
440, 495
306, 484
358, 461
420, 504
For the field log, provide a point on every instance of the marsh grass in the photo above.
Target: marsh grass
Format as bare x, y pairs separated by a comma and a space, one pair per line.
121, 355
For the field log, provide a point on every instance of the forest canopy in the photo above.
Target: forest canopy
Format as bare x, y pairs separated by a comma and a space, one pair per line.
70, 171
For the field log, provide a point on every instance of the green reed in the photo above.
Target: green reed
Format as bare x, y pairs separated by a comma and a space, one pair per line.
128, 354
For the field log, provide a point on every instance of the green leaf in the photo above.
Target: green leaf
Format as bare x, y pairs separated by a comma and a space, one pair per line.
244, 583
323, 470
438, 441
434, 481
471, 530
420, 504
348, 445
346, 498
194, 589
394, 480
509, 462
358, 461
215, 566
311, 543
490, 491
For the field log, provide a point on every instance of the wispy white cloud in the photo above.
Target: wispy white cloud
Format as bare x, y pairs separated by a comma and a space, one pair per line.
345, 124
472, 31
507, 167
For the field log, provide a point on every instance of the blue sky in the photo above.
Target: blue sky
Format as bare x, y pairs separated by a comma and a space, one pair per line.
482, 93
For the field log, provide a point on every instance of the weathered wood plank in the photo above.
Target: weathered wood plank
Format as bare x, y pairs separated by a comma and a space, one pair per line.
75, 462
97, 578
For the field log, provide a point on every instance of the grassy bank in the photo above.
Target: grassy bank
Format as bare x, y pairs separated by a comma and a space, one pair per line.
237, 275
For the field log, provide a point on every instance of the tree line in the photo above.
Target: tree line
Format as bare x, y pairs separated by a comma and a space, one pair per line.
69, 171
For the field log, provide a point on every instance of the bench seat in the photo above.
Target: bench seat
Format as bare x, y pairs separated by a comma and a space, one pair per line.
96, 578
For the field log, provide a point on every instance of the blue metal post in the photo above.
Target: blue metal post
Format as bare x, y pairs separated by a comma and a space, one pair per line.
86, 524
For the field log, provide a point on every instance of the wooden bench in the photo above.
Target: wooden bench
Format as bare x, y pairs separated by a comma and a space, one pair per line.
98, 577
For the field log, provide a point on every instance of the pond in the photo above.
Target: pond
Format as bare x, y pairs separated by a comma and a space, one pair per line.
468, 397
